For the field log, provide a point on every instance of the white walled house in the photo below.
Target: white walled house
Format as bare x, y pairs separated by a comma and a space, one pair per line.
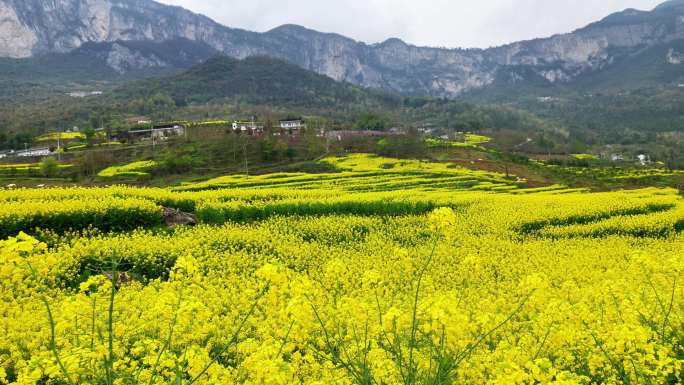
33, 152
292, 124
250, 127
643, 159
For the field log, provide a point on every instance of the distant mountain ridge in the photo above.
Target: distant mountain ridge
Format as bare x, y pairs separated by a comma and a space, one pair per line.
31, 28
257, 80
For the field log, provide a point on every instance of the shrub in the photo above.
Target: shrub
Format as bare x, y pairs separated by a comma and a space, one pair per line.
173, 164
240, 211
108, 214
49, 167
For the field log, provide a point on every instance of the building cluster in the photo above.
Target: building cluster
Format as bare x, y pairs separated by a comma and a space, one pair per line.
161, 132
31, 152
641, 159
157, 133
253, 127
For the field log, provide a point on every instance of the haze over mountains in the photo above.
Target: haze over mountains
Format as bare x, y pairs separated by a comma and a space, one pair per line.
134, 38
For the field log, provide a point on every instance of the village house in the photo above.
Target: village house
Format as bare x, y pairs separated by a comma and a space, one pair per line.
248, 127
83, 94
643, 159
33, 152
157, 133
292, 124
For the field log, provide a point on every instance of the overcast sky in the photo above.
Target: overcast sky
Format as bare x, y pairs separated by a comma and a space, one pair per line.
444, 23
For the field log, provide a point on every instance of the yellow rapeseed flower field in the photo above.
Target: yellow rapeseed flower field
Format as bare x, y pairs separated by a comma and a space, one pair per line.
330, 279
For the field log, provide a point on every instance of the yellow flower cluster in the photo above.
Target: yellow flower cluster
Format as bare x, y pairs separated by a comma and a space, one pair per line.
362, 172
111, 213
131, 169
539, 287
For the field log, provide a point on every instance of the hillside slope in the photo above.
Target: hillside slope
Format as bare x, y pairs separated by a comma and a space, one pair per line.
258, 80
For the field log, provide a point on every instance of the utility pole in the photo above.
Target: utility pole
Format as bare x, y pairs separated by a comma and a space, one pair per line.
152, 134
245, 156
107, 137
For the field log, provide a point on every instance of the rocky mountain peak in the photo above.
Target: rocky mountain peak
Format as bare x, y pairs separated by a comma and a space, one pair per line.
290, 29
394, 42
669, 5
31, 28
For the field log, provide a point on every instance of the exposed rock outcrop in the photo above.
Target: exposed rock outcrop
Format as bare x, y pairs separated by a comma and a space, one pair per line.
174, 218
122, 59
675, 57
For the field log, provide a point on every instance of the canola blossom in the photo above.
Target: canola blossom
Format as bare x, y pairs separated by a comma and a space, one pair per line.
131, 169
343, 285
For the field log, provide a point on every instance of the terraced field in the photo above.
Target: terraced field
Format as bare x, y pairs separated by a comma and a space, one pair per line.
386, 272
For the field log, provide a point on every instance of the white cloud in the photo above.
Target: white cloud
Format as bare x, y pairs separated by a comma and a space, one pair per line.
451, 23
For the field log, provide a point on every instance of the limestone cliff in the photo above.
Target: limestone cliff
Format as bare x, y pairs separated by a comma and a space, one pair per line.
36, 27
